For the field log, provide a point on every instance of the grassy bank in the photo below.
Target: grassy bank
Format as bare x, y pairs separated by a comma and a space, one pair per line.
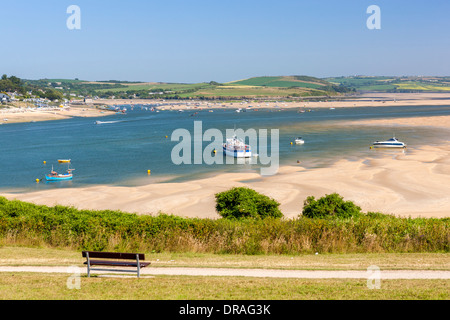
28, 224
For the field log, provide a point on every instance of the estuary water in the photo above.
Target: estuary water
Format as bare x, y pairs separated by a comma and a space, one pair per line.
122, 150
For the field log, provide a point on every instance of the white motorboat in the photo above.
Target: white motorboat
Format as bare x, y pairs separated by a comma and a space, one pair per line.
235, 147
391, 143
299, 140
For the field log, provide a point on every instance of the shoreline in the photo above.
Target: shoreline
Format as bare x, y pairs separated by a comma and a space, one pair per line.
21, 115
361, 100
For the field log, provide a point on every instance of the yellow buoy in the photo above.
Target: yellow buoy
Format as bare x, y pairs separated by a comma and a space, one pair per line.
149, 171
45, 162
166, 137
291, 143
37, 180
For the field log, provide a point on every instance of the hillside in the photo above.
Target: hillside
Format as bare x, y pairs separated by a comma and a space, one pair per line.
271, 87
394, 84
284, 82
257, 87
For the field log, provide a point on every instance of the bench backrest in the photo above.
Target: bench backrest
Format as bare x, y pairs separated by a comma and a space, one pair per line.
114, 255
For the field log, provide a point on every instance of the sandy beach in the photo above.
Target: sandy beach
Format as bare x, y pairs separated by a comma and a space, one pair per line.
361, 100
415, 183
20, 115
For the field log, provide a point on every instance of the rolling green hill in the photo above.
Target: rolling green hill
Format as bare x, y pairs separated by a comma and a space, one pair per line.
257, 87
284, 82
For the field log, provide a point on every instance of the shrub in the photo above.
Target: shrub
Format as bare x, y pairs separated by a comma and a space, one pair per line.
28, 224
246, 203
331, 205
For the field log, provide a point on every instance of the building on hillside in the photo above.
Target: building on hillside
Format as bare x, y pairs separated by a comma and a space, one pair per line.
4, 98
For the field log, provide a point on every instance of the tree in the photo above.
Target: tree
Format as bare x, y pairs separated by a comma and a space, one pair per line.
244, 202
332, 205
53, 94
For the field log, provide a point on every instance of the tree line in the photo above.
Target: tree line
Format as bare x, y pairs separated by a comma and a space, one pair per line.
15, 84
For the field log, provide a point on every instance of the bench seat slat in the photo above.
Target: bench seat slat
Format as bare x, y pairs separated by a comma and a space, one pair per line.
116, 263
113, 255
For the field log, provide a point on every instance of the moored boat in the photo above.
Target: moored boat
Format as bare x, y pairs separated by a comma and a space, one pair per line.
55, 176
235, 147
391, 143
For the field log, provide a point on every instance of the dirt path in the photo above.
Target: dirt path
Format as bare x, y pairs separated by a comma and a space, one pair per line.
271, 273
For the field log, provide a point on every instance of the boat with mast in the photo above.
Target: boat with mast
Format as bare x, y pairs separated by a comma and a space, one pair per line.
55, 176
234, 147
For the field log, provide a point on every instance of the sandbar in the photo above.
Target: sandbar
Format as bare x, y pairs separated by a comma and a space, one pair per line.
413, 184
20, 115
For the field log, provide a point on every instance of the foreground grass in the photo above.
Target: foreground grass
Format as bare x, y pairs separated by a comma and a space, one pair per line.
28, 286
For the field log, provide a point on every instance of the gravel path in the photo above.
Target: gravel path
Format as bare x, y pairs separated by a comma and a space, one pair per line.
271, 273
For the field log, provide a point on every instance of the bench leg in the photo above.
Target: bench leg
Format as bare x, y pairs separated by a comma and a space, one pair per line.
138, 266
88, 265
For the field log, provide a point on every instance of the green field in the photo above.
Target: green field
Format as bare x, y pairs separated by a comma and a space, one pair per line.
283, 82
395, 84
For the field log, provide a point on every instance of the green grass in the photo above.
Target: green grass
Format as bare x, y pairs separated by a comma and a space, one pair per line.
282, 82
26, 286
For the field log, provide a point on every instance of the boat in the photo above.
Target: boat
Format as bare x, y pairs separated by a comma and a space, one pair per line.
55, 176
299, 140
235, 147
64, 160
104, 122
391, 143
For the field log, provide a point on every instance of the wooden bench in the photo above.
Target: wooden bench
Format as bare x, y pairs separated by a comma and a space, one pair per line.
114, 259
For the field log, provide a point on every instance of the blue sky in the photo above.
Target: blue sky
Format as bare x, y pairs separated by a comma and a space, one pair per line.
200, 41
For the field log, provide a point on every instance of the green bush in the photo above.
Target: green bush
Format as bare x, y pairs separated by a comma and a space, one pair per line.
64, 227
246, 203
332, 205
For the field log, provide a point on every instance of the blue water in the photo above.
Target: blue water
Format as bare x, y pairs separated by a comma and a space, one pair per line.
120, 153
